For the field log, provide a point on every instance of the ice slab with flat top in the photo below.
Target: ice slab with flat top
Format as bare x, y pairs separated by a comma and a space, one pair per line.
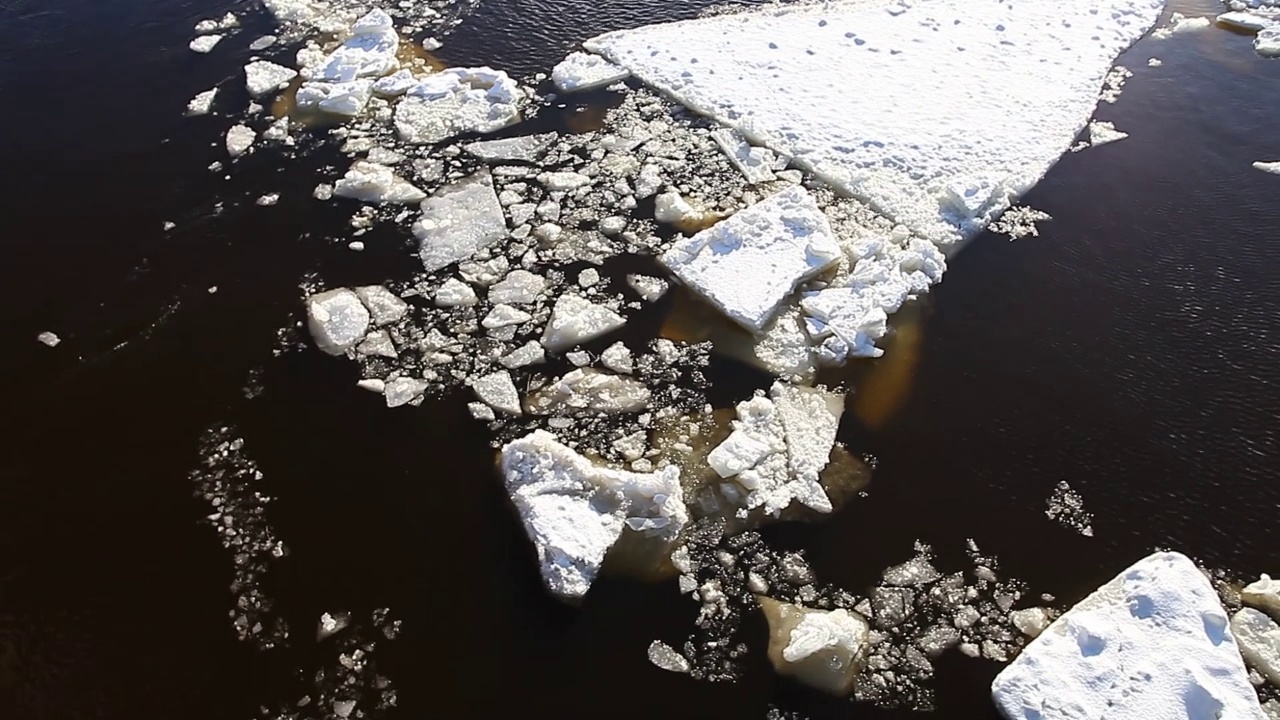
459, 221
906, 105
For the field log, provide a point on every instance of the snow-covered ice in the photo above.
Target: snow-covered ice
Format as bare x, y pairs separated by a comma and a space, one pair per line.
592, 392
344, 98
1263, 594
370, 52
498, 392
370, 182
338, 321
527, 149
1268, 167
755, 163
1151, 644
1267, 42
205, 43
201, 104
263, 76
574, 511
584, 71
575, 320
665, 657
455, 101
395, 84
239, 139
519, 287
226, 22
824, 649
384, 307
747, 264
1259, 639
1018, 81
458, 221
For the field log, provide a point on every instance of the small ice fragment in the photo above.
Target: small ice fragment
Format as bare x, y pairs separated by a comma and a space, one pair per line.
591, 392
1263, 594
1030, 622
356, 246
263, 42
740, 451
617, 357
749, 263
755, 163
1246, 21
1019, 222
1102, 132
226, 22
498, 392
583, 71
343, 708
262, 77
580, 358
346, 98
1268, 167
528, 149
323, 191
384, 307
563, 180
822, 649
673, 209
1259, 639
395, 84
239, 139
575, 320
458, 221
1066, 507
650, 289
331, 624
403, 390
455, 293
612, 225
519, 287
504, 315
663, 656
372, 385
916, 571
269, 199
1154, 62
1267, 42
531, 353
370, 182
480, 411
370, 52
631, 447
338, 321
49, 339
202, 103
204, 43
588, 278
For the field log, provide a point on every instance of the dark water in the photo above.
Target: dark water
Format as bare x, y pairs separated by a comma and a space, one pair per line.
1132, 349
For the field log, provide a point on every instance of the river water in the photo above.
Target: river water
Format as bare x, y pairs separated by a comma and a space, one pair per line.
1132, 349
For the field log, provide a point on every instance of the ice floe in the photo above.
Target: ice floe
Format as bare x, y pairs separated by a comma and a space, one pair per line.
584, 71
1268, 167
574, 511
1259, 639
338, 321
517, 149
458, 221
239, 139
888, 143
823, 649
375, 183
341, 98
370, 52
205, 43
1152, 643
49, 339
262, 77
575, 320
455, 101
498, 392
747, 264
592, 392
202, 103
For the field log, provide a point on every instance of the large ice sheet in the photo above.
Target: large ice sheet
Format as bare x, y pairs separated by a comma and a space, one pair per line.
458, 221
1152, 644
748, 264
936, 112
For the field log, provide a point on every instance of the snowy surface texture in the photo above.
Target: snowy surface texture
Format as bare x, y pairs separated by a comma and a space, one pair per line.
749, 263
583, 71
574, 511
1151, 644
457, 100
1018, 82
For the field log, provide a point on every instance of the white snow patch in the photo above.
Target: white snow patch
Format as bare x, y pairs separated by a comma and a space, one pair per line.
1018, 82
583, 71
1153, 643
747, 264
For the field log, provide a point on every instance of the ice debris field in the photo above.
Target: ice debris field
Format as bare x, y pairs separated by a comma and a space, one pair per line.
802, 211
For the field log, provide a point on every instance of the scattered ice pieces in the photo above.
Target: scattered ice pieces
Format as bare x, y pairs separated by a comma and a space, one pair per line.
201, 104
1102, 132
1066, 508
574, 511
1180, 23
455, 101
575, 320
749, 263
498, 392
370, 182
205, 43
226, 22
338, 321
239, 139
458, 221
583, 71
527, 149
1152, 643
666, 658
1263, 594
49, 339
1268, 167
1259, 639
262, 77
455, 293
1019, 222
822, 649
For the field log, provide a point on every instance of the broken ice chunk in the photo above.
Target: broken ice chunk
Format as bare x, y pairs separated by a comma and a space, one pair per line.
1031, 622
239, 140
810, 418
1152, 642
740, 451
563, 180
480, 411
617, 357
520, 287
1242, 20
503, 316
574, 511
583, 71
346, 98
403, 391
370, 182
370, 52
395, 84
822, 649
1264, 594
338, 321
1102, 132
458, 221
527, 149
663, 656
1268, 167
455, 101
575, 320
498, 392
455, 293
205, 43
262, 77
748, 264
755, 163
49, 339
591, 392
377, 343
673, 209
650, 289
202, 103
531, 353
384, 307
263, 42
1259, 639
